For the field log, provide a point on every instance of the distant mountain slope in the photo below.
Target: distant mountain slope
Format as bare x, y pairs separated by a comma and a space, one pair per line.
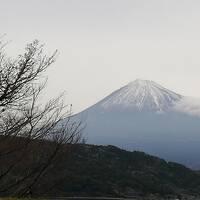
146, 116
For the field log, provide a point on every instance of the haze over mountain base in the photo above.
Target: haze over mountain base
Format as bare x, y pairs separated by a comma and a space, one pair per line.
148, 117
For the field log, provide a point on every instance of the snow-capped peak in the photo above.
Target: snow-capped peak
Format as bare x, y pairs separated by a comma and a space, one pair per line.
142, 95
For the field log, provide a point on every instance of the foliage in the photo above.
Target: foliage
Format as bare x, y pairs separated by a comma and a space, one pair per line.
90, 170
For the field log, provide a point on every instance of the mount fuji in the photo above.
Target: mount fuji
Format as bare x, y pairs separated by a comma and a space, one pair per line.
145, 116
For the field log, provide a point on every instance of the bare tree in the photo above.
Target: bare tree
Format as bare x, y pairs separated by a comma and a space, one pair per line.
31, 134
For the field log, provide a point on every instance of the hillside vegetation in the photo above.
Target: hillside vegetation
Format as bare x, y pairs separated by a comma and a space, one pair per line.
89, 170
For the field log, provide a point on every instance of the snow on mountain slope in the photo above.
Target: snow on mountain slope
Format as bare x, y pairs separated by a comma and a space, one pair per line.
142, 95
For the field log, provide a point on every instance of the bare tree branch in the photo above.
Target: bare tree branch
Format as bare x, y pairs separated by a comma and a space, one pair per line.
31, 134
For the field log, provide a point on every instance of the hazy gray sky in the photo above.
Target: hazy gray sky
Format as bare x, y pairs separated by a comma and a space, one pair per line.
104, 44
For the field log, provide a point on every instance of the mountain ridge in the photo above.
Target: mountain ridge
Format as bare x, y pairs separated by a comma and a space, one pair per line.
142, 94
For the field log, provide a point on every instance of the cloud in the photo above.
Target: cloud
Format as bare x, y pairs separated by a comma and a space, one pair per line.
188, 105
